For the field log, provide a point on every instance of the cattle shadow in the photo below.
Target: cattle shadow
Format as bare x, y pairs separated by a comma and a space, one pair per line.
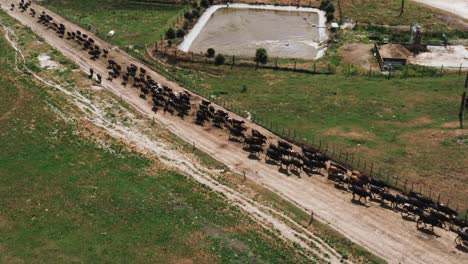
408, 218
284, 171
427, 231
253, 157
341, 187
271, 162
297, 173
360, 203
386, 206
462, 248
233, 139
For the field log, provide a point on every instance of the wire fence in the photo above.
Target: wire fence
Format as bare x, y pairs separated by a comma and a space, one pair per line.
174, 56
336, 152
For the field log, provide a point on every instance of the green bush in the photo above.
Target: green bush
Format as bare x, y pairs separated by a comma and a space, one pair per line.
180, 33
219, 60
186, 25
210, 53
188, 15
205, 3
170, 33
261, 56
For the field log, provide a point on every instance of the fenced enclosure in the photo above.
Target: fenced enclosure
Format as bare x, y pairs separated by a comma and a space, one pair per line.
337, 152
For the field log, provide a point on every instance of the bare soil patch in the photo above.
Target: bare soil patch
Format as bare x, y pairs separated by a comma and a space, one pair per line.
358, 54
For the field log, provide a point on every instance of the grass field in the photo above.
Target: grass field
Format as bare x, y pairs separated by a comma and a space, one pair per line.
135, 24
387, 12
405, 126
64, 198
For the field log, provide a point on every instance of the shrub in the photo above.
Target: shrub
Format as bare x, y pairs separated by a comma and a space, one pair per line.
188, 15
169, 43
219, 60
170, 33
180, 33
195, 13
205, 3
186, 24
210, 53
261, 56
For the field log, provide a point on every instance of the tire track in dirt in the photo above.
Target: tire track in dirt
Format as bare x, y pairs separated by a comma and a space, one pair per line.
19, 100
314, 247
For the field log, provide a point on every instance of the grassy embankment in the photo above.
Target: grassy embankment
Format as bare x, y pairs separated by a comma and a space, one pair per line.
66, 198
105, 191
134, 23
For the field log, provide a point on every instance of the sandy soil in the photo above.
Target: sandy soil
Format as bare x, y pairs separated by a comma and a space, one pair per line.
358, 54
438, 56
458, 7
381, 231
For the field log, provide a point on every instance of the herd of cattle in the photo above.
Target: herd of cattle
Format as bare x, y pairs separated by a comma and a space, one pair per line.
309, 160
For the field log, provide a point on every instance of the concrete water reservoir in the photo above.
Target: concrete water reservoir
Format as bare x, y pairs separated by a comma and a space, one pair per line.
284, 31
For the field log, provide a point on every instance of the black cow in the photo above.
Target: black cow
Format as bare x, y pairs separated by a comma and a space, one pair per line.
446, 210
410, 209
429, 219
272, 155
386, 196
462, 238
375, 190
361, 192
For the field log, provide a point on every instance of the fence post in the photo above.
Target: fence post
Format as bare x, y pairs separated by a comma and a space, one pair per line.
294, 64
406, 181
233, 61
372, 168
438, 199
460, 70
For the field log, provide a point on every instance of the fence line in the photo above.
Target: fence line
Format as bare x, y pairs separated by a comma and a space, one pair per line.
335, 152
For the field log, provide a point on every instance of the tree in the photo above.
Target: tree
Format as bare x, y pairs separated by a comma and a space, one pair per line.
205, 3
188, 15
186, 24
170, 33
261, 56
219, 59
210, 53
195, 13
329, 8
180, 33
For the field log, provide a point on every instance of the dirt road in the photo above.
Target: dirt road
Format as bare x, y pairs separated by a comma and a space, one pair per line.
382, 231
